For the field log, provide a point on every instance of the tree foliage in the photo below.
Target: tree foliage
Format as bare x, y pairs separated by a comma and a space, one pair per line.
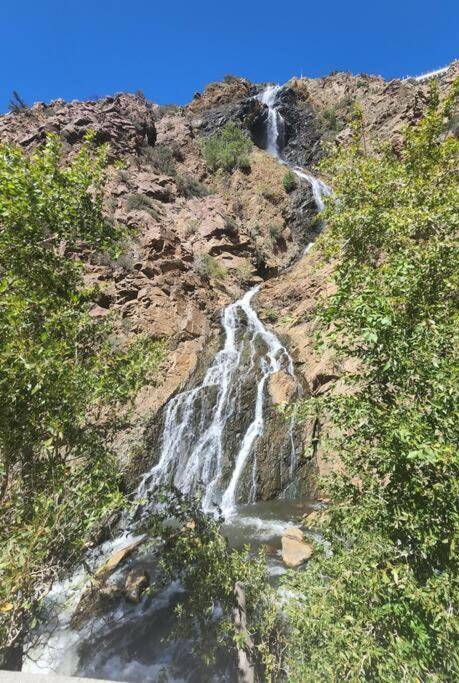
61, 374
382, 605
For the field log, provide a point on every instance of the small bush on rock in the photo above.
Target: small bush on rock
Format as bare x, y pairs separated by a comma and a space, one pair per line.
188, 186
163, 158
206, 265
275, 231
289, 182
227, 149
139, 202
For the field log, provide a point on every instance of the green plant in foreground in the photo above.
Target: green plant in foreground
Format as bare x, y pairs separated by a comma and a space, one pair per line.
227, 149
198, 554
62, 380
383, 604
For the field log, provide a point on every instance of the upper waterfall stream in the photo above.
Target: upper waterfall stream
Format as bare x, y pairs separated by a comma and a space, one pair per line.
275, 139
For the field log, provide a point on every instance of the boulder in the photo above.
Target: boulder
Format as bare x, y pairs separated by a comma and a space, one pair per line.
98, 311
282, 387
116, 559
295, 550
194, 323
95, 601
136, 583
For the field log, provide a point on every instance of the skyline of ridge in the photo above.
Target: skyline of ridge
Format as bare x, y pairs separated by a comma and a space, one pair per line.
80, 49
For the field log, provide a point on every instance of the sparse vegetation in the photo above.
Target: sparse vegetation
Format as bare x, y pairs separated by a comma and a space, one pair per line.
231, 225
187, 186
123, 175
17, 103
140, 202
163, 158
191, 228
289, 182
330, 120
243, 272
164, 109
270, 194
238, 207
207, 266
270, 314
227, 149
275, 231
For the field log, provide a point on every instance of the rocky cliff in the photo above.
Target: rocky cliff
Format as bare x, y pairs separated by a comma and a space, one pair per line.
196, 239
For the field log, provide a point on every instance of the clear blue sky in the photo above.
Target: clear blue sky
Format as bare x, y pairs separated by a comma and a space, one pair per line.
170, 48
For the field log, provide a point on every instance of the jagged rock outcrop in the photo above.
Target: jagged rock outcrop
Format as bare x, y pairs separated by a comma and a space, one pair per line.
136, 583
387, 106
125, 121
319, 109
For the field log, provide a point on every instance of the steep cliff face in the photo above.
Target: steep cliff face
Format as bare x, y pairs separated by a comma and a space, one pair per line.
318, 109
197, 240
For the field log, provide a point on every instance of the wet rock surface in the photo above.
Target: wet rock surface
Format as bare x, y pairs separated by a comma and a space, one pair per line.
136, 583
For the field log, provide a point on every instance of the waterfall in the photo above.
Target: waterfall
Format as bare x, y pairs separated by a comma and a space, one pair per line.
208, 445
275, 125
196, 451
318, 187
275, 137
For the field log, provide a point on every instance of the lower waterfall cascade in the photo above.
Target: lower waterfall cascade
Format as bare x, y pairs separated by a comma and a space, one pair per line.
195, 454
196, 421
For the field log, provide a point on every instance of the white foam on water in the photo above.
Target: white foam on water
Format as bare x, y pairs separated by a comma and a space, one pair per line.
262, 529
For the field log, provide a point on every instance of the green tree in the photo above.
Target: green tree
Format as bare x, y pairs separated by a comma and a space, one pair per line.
62, 378
381, 603
227, 149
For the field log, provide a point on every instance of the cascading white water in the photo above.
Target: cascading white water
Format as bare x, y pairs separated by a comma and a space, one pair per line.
195, 451
275, 124
275, 131
318, 187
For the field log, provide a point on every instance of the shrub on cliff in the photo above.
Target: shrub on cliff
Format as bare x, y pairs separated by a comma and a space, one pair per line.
227, 149
187, 186
207, 266
289, 182
62, 379
163, 158
381, 604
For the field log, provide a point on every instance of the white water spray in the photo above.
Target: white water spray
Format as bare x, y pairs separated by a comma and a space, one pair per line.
318, 187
